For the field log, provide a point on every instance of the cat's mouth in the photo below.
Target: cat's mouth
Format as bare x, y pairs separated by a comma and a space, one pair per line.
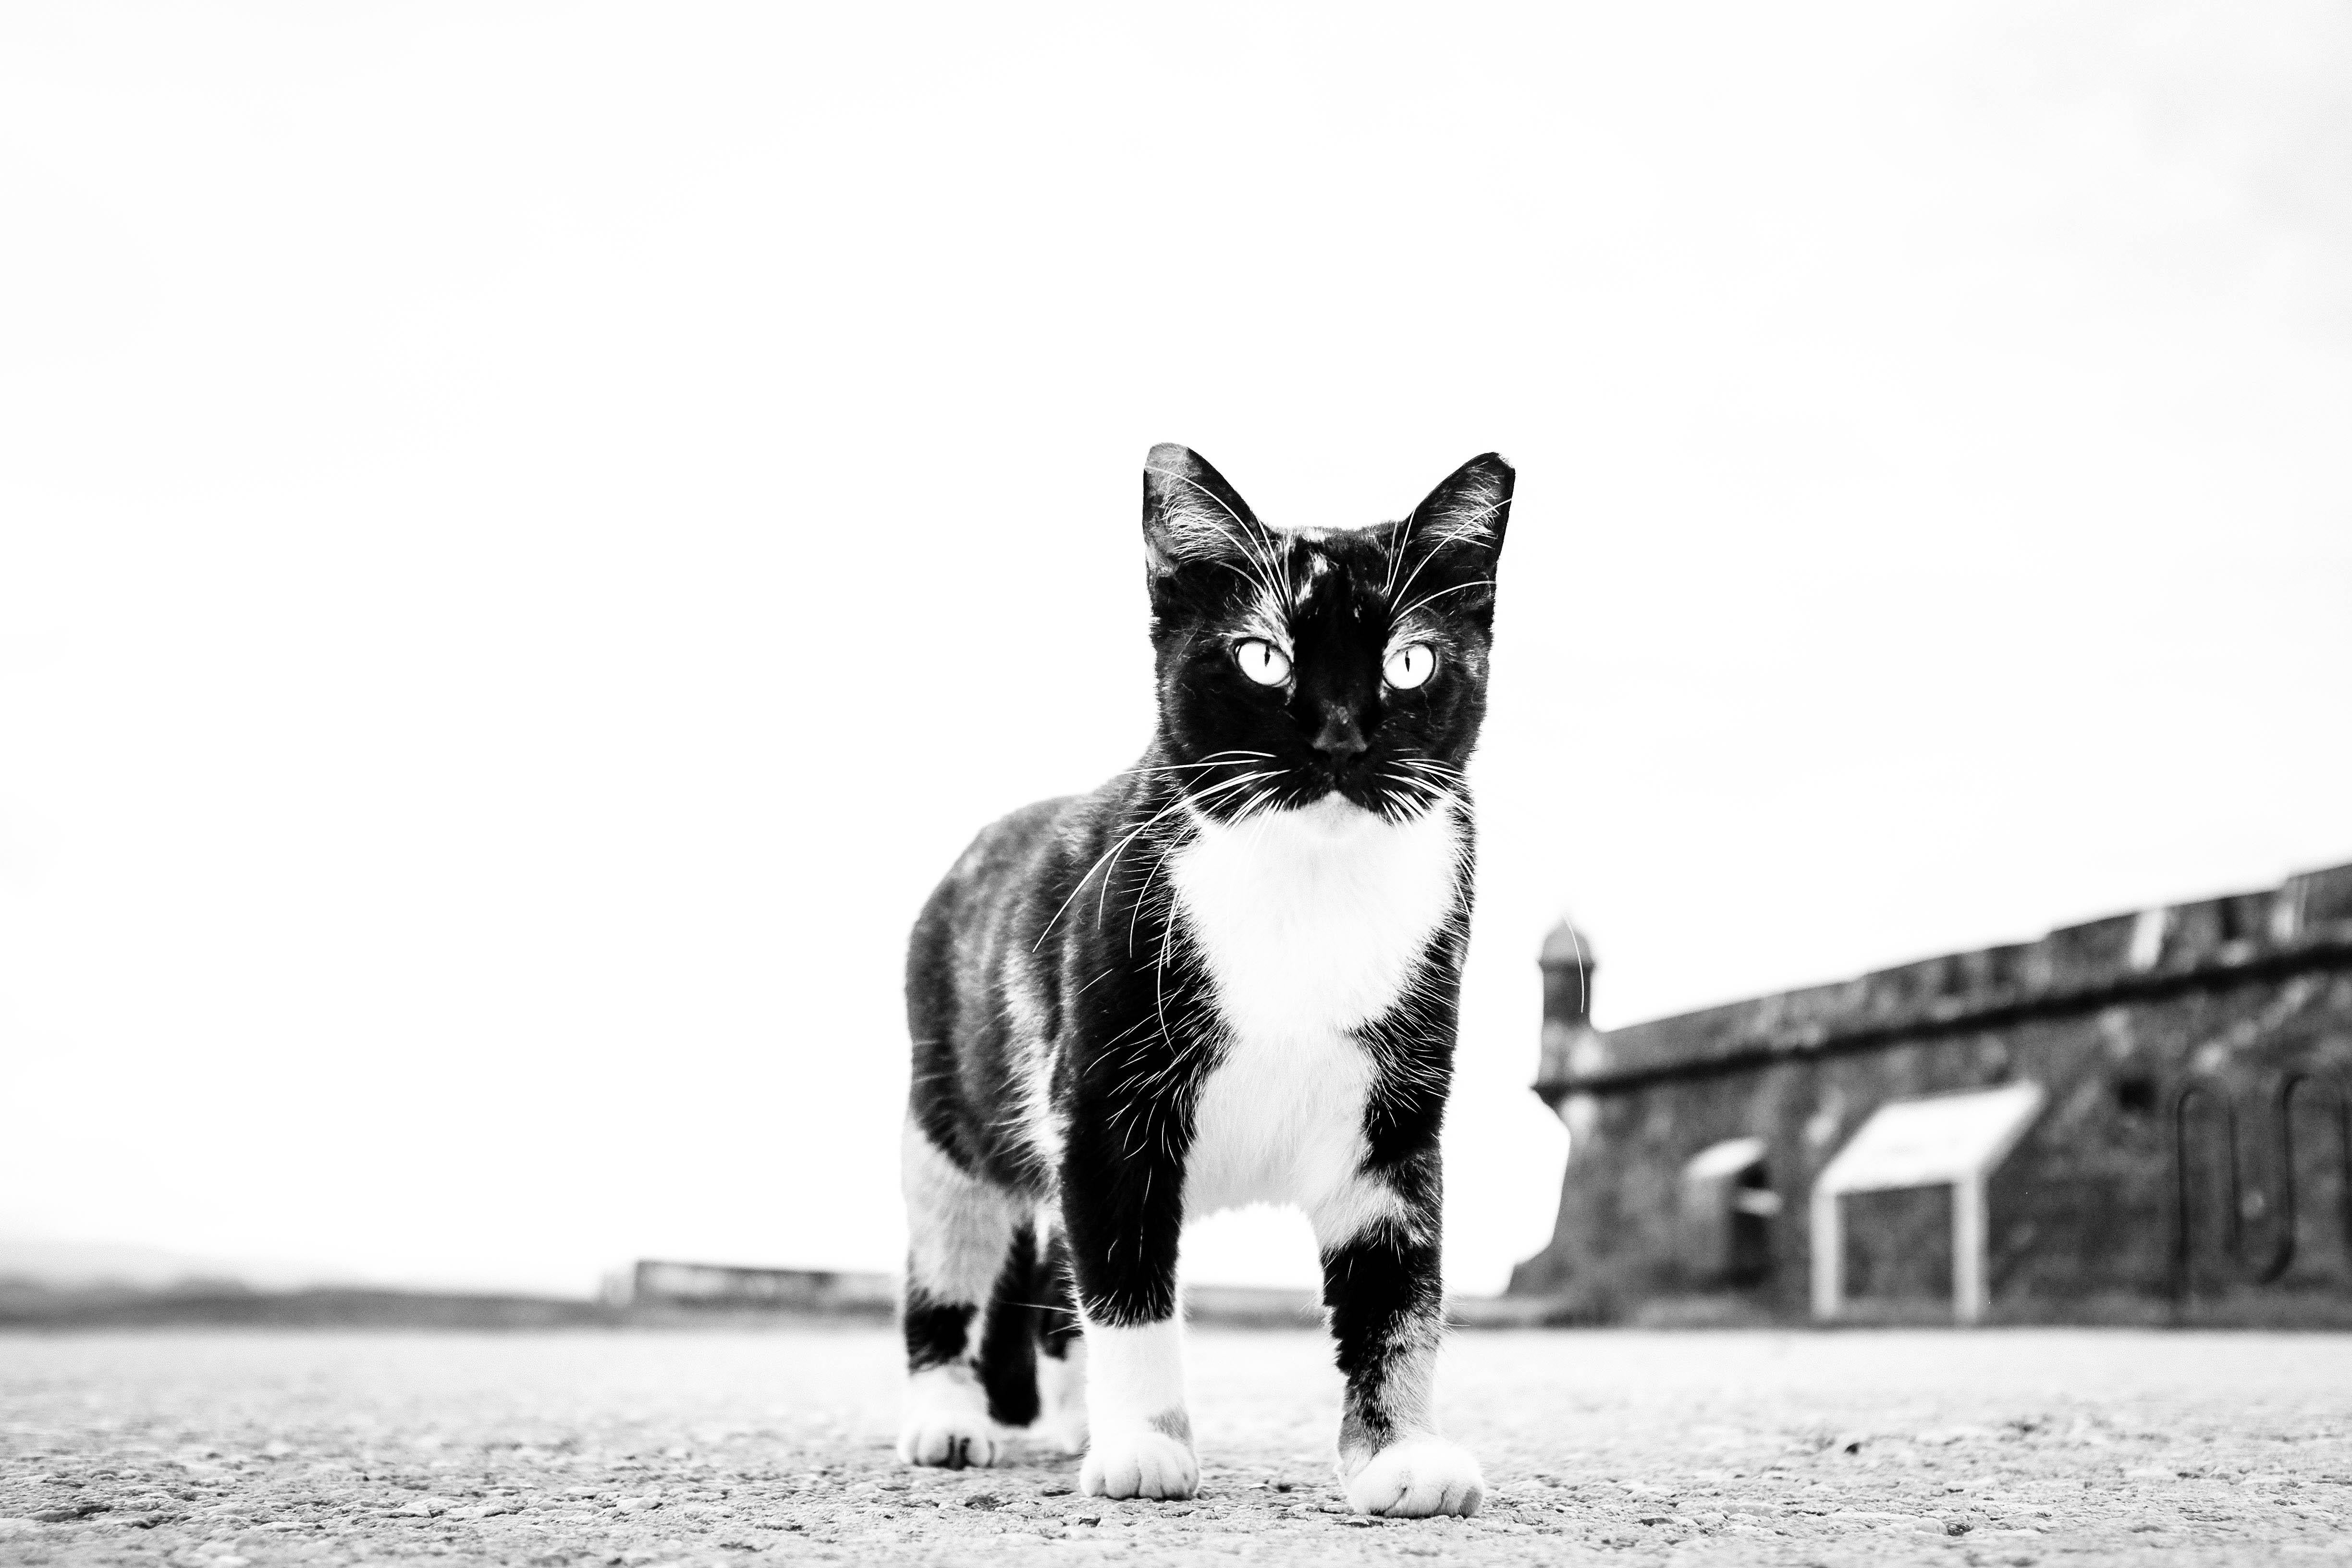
1334, 791
1334, 808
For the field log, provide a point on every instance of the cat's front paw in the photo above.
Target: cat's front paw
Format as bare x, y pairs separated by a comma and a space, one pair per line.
1415, 1479
1138, 1462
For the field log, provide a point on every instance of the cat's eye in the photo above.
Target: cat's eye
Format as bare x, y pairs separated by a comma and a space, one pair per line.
1262, 661
1410, 665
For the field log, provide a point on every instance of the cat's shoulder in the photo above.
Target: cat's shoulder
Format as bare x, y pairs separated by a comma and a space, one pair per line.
1043, 830
1013, 839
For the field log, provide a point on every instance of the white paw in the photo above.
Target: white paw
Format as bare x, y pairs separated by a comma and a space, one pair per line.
946, 1420
948, 1438
1415, 1479
1138, 1462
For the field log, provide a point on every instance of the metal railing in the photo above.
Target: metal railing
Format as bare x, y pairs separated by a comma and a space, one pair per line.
2237, 1206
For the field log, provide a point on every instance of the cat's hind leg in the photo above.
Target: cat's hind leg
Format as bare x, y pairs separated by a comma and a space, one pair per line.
960, 1232
1008, 1337
1061, 1352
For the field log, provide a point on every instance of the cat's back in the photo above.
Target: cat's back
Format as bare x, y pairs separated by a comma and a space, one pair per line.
988, 877
1003, 889
974, 973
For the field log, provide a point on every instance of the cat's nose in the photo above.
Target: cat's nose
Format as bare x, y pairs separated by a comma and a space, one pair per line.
1340, 739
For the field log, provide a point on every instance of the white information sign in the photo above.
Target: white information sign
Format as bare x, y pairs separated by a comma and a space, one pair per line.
1948, 1139
1926, 1142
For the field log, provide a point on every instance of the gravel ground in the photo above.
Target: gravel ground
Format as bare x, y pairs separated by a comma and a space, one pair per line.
627, 1448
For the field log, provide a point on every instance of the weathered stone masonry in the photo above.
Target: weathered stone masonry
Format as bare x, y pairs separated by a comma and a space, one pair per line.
2116, 1019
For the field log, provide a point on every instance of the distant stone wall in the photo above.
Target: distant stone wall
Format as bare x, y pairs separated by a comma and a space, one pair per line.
2113, 1019
659, 1281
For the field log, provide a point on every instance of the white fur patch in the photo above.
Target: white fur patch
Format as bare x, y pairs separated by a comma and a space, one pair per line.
1285, 1125
1062, 1400
1416, 1478
1139, 1462
945, 1419
1134, 1374
1346, 1211
1032, 1058
1318, 568
1310, 922
957, 1228
1140, 1442
1312, 919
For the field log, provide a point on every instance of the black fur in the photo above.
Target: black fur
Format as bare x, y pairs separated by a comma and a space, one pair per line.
936, 1332
1056, 938
1373, 1288
1008, 1345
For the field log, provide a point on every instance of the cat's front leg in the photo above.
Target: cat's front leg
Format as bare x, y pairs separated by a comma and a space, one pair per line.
1382, 1283
1122, 1212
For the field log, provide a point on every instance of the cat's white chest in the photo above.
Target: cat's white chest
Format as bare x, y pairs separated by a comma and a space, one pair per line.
1310, 920
1309, 924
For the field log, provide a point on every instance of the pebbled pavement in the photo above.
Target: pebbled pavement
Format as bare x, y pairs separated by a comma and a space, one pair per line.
620, 1449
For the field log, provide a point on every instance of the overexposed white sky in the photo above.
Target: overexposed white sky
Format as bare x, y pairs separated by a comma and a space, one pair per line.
529, 535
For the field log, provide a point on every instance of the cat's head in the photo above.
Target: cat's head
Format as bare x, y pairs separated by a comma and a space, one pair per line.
1294, 665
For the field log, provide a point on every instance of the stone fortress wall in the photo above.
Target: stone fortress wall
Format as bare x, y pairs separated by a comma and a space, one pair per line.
2163, 1042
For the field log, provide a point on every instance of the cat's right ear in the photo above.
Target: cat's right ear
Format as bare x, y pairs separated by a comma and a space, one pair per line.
1191, 514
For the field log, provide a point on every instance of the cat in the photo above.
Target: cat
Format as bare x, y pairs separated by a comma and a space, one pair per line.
1228, 976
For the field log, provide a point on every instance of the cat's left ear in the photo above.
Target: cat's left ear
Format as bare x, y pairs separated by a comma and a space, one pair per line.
1469, 509
1445, 551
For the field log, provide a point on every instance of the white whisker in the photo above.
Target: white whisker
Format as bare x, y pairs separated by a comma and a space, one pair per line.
1110, 854
1431, 598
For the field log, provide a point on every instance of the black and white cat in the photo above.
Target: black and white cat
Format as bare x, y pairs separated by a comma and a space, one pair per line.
1230, 975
